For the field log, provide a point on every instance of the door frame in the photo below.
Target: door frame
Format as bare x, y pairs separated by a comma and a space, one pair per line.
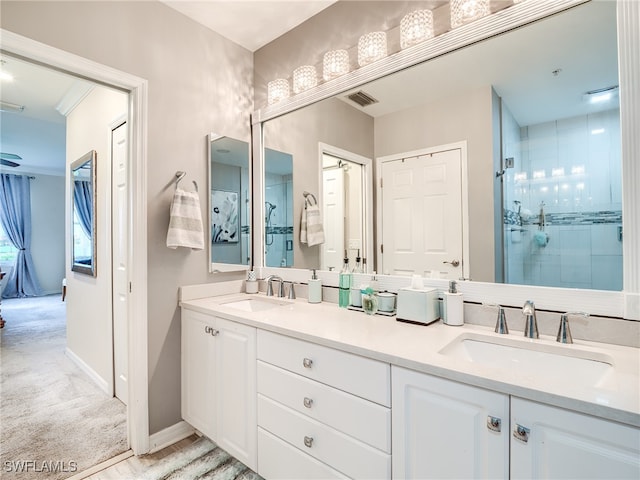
462, 146
137, 90
367, 181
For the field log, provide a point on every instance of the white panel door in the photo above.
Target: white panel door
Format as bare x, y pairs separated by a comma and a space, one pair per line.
440, 429
119, 222
333, 218
236, 393
556, 443
422, 215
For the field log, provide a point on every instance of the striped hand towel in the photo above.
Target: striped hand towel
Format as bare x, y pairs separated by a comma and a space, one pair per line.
311, 228
185, 221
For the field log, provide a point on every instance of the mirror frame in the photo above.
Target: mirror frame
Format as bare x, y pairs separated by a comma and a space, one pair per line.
91, 158
624, 304
217, 267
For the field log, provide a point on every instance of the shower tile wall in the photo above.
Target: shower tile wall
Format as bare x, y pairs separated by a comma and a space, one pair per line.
573, 166
280, 234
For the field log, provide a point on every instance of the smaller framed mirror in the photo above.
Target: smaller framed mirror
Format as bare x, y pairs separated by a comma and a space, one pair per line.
83, 218
229, 204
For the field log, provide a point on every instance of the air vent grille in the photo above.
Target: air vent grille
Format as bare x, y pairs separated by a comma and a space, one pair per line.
361, 98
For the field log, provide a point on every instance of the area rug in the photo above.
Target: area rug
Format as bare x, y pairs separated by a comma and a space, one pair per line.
54, 420
201, 460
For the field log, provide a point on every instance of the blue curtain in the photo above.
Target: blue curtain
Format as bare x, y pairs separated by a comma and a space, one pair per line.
82, 204
15, 217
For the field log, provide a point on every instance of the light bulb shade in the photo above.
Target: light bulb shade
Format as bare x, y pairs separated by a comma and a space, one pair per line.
277, 90
334, 64
416, 27
465, 11
372, 47
304, 78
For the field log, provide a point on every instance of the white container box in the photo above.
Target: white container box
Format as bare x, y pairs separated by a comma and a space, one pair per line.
418, 305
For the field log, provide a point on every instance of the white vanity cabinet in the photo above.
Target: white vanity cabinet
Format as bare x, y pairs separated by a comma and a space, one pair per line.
322, 413
445, 429
550, 442
219, 382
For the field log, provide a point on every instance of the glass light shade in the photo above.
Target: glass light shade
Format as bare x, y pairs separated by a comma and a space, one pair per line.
371, 47
416, 27
465, 11
334, 64
277, 90
304, 78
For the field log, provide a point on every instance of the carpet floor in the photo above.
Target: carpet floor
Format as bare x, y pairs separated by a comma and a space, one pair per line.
54, 420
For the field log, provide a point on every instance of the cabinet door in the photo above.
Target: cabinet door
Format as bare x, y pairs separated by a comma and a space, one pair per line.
443, 429
558, 443
198, 356
236, 394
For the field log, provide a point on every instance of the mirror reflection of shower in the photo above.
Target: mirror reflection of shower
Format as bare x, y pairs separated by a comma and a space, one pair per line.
269, 208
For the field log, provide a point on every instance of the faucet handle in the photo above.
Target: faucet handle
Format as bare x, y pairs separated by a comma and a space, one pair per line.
292, 293
564, 332
269, 288
501, 321
281, 289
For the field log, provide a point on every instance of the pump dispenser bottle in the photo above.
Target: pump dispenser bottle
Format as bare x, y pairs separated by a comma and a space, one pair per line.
344, 283
315, 289
452, 306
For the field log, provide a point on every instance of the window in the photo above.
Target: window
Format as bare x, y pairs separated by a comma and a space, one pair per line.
7, 251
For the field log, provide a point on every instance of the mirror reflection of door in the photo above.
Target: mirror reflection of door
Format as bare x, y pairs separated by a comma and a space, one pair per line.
343, 212
422, 215
278, 209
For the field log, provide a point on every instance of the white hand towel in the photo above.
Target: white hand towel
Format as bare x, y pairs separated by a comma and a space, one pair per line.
185, 221
311, 228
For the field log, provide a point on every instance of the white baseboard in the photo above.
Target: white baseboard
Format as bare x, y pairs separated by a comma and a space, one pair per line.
169, 436
101, 382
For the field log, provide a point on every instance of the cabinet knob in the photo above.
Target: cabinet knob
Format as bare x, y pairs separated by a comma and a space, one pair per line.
494, 423
521, 433
308, 442
307, 402
307, 362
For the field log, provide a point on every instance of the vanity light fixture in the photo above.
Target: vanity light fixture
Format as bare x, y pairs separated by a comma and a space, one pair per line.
416, 27
304, 78
465, 11
601, 95
11, 107
277, 90
372, 47
334, 64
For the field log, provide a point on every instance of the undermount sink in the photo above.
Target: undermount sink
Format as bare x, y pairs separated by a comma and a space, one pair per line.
254, 304
531, 357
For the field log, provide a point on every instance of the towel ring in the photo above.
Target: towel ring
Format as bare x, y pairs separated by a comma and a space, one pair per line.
180, 175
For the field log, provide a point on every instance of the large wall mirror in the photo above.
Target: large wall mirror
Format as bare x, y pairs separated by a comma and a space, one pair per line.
229, 204
83, 221
521, 131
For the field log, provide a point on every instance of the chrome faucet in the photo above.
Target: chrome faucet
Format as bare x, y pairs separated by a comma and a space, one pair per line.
530, 320
270, 279
564, 332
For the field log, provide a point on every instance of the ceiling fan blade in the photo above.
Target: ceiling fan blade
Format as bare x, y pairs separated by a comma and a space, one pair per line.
10, 156
8, 163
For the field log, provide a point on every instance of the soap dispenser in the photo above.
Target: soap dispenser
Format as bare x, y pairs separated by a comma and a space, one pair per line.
452, 306
315, 289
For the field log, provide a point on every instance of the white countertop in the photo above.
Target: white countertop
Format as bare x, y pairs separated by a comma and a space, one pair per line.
617, 396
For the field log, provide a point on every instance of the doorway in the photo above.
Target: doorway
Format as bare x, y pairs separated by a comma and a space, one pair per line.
136, 243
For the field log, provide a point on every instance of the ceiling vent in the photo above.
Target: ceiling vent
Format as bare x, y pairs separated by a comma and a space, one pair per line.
361, 98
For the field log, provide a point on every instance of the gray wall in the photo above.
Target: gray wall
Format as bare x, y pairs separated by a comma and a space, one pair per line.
199, 82
48, 227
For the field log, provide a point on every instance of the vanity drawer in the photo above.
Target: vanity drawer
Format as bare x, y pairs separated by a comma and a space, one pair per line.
346, 454
279, 460
361, 376
359, 418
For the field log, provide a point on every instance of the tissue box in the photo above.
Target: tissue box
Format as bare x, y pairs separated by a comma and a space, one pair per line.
418, 305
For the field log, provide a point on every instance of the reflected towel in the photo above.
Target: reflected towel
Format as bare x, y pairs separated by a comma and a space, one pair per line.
311, 228
185, 221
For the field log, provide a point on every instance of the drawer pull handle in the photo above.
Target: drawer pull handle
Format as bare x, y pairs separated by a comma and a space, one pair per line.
521, 433
308, 442
494, 424
307, 402
307, 362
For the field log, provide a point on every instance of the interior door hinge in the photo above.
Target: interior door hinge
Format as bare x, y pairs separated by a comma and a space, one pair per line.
129, 287
380, 182
381, 248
